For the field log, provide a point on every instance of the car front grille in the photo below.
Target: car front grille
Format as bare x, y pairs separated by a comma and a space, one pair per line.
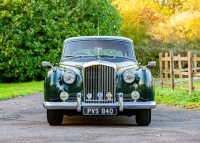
99, 79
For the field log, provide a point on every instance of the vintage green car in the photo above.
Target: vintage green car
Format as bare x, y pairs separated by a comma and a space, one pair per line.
98, 75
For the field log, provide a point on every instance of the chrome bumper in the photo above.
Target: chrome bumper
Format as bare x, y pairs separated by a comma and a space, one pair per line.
73, 105
79, 104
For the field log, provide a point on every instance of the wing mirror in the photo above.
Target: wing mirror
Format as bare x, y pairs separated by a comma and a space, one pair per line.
46, 64
151, 64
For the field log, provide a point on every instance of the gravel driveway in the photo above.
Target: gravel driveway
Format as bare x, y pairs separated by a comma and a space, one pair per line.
23, 119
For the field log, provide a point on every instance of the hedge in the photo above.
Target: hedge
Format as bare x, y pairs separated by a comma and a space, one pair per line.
33, 31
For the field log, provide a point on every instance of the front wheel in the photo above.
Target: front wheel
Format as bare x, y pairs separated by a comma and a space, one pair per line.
143, 117
54, 117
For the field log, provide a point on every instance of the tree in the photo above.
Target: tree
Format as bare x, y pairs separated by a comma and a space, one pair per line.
160, 25
33, 31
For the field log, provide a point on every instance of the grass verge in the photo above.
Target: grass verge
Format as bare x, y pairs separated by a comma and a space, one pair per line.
12, 90
178, 97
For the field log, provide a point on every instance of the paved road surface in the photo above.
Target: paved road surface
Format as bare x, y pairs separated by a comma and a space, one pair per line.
23, 119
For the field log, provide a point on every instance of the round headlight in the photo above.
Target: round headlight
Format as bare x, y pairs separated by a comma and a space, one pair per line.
128, 76
69, 77
64, 96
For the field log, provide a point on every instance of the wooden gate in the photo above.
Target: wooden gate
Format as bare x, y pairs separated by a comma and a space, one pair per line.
171, 65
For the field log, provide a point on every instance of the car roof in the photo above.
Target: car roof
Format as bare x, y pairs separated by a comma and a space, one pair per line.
117, 38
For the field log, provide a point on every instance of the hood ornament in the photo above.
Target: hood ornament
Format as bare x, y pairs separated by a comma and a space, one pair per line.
98, 51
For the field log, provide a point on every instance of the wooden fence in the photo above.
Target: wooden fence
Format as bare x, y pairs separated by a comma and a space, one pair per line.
171, 65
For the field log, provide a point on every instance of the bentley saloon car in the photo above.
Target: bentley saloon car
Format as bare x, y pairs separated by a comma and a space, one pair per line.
98, 75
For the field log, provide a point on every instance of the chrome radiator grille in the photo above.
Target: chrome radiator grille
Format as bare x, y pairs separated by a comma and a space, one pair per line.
99, 79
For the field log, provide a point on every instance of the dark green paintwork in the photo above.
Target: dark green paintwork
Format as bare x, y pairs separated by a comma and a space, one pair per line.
54, 84
144, 82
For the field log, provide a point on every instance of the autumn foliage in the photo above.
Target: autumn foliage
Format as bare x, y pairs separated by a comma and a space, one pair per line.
158, 25
177, 21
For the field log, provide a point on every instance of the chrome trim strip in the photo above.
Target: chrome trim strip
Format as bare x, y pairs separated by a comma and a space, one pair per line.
60, 105
140, 105
104, 63
99, 104
73, 105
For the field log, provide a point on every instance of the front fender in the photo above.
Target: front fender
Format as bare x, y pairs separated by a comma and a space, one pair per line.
52, 86
144, 83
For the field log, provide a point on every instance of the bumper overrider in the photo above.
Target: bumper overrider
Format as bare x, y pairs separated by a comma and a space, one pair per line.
78, 105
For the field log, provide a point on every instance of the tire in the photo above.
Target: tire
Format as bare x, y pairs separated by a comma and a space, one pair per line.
54, 117
143, 117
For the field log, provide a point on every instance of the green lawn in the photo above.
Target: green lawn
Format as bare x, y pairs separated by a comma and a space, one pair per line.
178, 97
11, 90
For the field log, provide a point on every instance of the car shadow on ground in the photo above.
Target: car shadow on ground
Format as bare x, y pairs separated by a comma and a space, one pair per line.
99, 121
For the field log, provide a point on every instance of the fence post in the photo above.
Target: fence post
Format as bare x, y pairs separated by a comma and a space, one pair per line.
172, 70
195, 63
190, 72
161, 70
180, 68
166, 66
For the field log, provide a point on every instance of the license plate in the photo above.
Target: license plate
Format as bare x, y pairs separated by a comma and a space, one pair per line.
99, 111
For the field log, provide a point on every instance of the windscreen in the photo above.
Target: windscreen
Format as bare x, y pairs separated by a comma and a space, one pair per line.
98, 47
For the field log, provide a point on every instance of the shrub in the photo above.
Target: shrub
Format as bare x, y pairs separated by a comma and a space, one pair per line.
33, 31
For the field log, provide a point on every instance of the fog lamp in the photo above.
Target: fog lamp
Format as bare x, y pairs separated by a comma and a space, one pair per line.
64, 96
135, 95
109, 95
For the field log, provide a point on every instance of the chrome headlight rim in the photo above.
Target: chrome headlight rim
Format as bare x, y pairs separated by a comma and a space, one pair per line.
69, 77
129, 76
